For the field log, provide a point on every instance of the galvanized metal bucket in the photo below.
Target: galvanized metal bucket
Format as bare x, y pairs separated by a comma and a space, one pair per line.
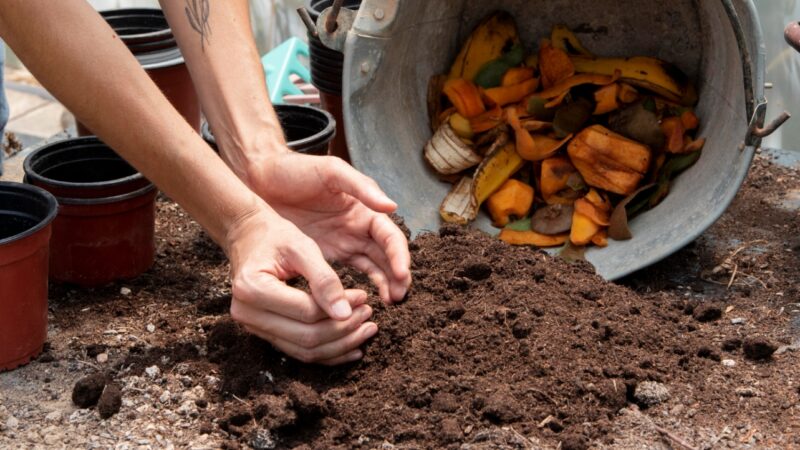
393, 47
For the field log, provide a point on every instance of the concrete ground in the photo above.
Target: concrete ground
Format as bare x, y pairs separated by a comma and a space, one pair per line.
34, 116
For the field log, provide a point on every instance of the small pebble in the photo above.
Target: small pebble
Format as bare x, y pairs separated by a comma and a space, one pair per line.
125, 291
738, 321
152, 371
651, 393
151, 328
102, 358
746, 392
12, 423
728, 363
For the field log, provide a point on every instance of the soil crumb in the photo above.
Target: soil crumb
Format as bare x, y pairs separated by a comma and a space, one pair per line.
758, 348
88, 389
110, 402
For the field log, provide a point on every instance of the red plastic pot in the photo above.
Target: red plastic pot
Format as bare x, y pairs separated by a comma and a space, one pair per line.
147, 35
105, 229
26, 213
333, 104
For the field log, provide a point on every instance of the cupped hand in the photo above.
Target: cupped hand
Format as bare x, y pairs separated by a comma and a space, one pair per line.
342, 210
326, 326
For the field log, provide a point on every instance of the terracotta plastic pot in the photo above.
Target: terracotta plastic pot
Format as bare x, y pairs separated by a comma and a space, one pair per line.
147, 35
106, 222
26, 213
307, 129
333, 104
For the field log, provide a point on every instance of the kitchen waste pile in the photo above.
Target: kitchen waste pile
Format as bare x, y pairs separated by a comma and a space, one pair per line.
562, 147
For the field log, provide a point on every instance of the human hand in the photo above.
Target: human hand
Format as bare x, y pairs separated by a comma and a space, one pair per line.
326, 327
342, 210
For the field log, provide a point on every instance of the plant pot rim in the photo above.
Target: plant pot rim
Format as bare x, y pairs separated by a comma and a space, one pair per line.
33, 177
329, 129
52, 209
166, 52
107, 200
297, 145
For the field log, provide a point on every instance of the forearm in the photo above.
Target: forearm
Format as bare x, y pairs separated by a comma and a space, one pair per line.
79, 58
217, 42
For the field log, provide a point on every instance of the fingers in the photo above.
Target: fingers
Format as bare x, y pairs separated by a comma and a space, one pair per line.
375, 273
326, 287
341, 350
353, 356
263, 291
343, 177
303, 335
394, 245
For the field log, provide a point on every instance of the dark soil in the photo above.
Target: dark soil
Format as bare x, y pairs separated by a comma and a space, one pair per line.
88, 389
758, 348
110, 402
495, 347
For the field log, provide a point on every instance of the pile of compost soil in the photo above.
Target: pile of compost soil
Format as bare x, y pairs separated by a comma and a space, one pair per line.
494, 347
490, 336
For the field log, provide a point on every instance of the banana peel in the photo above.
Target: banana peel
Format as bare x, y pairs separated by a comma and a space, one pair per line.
563, 38
434, 100
649, 73
448, 154
490, 40
459, 206
497, 167
461, 126
462, 204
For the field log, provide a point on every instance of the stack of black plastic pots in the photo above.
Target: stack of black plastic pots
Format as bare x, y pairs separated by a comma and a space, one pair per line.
307, 129
148, 36
326, 74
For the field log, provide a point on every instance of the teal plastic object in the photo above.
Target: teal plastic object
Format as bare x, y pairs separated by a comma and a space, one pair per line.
280, 63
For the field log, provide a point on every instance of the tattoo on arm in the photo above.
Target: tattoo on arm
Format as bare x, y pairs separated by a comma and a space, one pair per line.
197, 11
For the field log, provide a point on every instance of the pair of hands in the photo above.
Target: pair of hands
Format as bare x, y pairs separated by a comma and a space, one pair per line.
326, 211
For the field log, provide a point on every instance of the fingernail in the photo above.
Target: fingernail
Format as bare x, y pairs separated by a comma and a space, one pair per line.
341, 309
370, 331
365, 313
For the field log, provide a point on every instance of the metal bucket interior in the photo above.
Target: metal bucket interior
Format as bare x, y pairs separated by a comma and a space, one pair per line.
391, 54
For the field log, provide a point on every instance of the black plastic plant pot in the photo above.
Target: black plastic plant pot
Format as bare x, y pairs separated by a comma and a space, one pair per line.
105, 229
326, 64
26, 214
307, 129
316, 7
81, 168
148, 36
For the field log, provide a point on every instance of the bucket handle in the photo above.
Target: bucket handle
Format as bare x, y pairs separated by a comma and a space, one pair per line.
332, 25
757, 111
